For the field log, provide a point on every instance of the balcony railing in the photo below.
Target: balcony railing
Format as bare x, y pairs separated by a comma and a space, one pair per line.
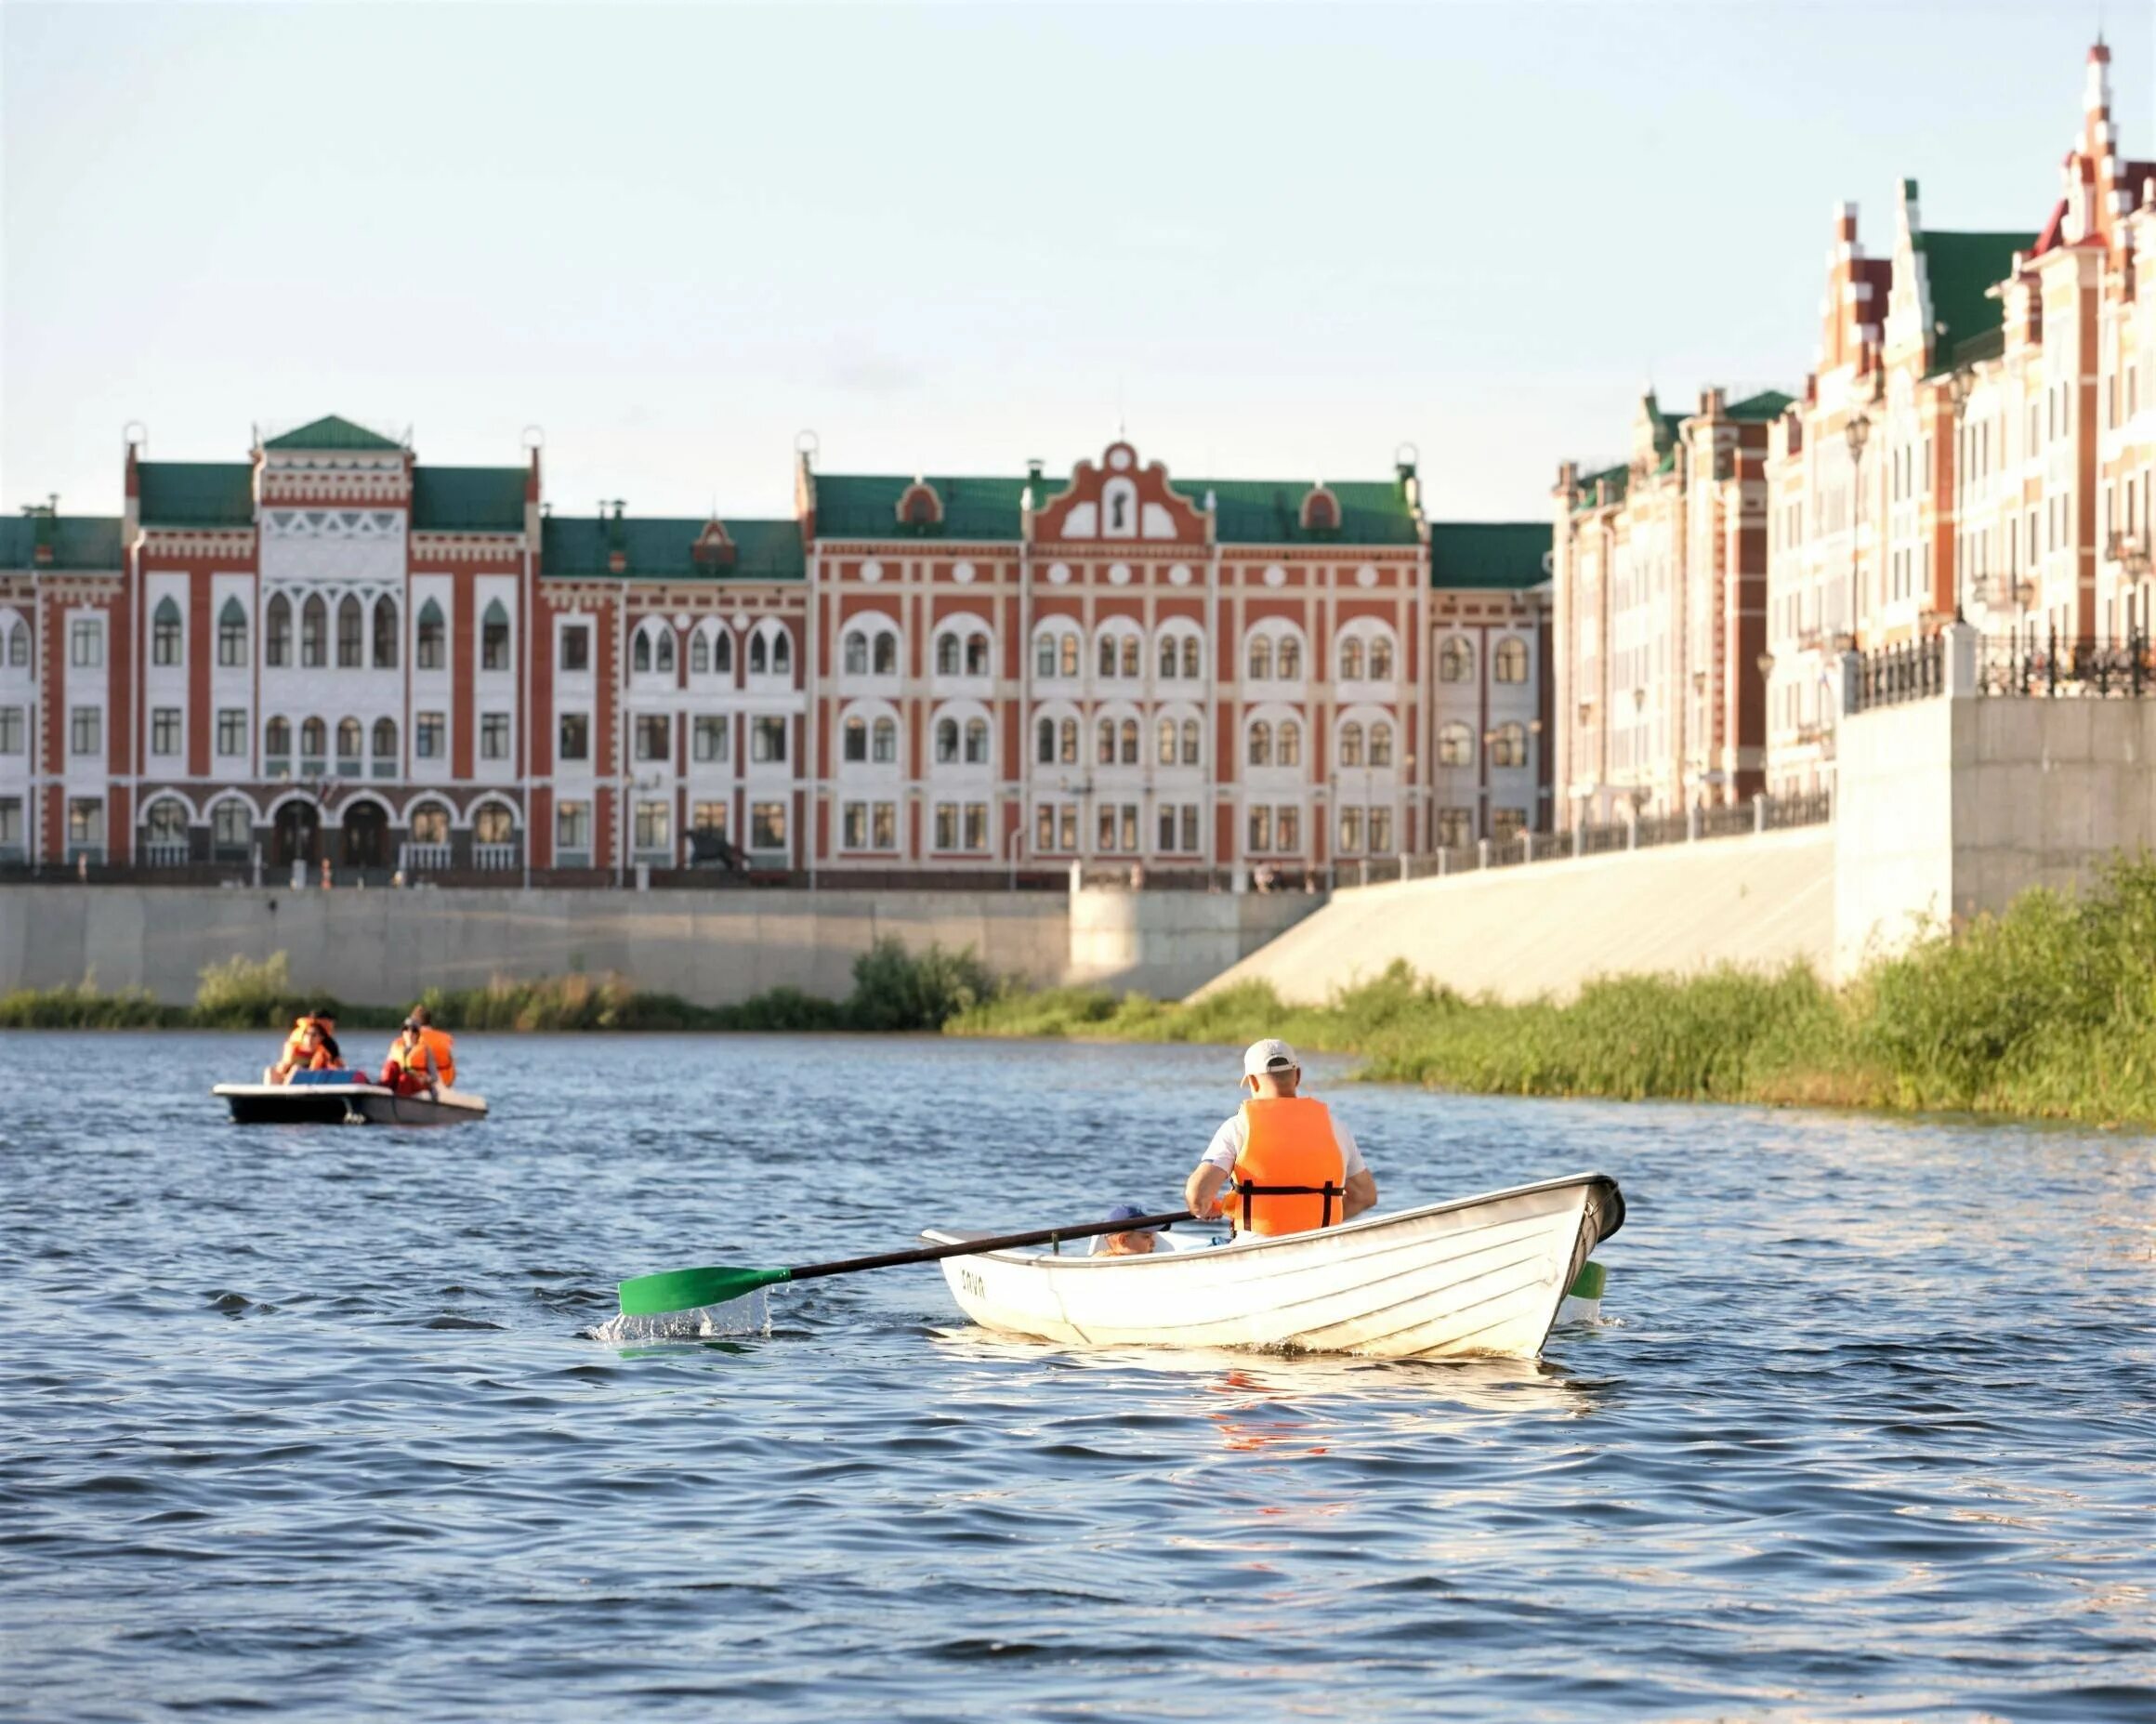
419, 857
164, 853
495, 857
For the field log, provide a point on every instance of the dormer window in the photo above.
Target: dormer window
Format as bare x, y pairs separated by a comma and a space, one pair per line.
920, 508
713, 551
1320, 510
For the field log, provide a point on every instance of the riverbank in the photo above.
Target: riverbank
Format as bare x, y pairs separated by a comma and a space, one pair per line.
2046, 1011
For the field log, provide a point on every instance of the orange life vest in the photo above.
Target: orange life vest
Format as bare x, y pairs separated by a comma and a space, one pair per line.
293, 1054
1290, 1177
439, 1044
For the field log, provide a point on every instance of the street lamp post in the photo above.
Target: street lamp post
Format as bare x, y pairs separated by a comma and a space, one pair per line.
1858, 431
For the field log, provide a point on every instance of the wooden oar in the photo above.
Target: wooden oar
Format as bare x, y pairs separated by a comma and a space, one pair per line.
685, 1289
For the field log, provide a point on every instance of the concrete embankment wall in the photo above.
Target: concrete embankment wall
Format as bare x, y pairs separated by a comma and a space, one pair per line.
1516, 933
1166, 943
382, 947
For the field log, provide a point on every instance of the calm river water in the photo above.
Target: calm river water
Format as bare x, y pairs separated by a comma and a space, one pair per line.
307, 1422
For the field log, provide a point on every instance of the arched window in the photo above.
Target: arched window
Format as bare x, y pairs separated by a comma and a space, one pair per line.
385, 739
1045, 655
946, 738
1129, 739
1191, 669
277, 640
1165, 742
853, 652
1508, 745
759, 655
493, 824
1261, 743
231, 824
1456, 745
977, 742
494, 640
277, 737
639, 652
1381, 660
1167, 658
976, 656
1104, 750
1131, 647
1291, 658
1351, 659
348, 737
885, 742
351, 634
1381, 744
1261, 660
699, 655
947, 658
1350, 745
384, 633
1455, 660
429, 656
430, 823
1290, 741
166, 820
783, 652
721, 652
856, 736
1067, 742
1190, 742
1045, 742
1107, 655
313, 738
165, 650
886, 654
19, 640
662, 650
313, 632
1509, 663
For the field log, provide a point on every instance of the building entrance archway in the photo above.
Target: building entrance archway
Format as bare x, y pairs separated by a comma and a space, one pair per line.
366, 829
298, 834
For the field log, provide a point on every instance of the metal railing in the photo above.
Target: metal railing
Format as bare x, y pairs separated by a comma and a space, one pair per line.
2046, 666
1889, 676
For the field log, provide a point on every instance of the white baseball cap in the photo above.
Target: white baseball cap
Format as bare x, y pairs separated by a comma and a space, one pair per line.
1270, 1055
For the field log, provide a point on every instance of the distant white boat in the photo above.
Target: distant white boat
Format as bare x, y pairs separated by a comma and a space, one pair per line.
1478, 1276
345, 1105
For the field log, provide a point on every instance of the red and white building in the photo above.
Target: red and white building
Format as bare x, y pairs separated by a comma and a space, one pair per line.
331, 650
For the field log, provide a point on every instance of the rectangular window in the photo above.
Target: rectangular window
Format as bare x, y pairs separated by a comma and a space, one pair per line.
86, 645
710, 736
571, 827
426, 736
1380, 831
1191, 826
13, 730
977, 825
1506, 824
947, 825
165, 730
1350, 832
1067, 825
768, 824
1288, 829
577, 649
884, 829
231, 636
1044, 827
1456, 827
1168, 828
575, 736
709, 817
232, 732
493, 644
494, 736
853, 827
11, 826
767, 743
86, 730
86, 822
654, 736
1260, 831
654, 826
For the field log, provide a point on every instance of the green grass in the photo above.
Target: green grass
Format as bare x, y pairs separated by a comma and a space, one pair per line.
2047, 1010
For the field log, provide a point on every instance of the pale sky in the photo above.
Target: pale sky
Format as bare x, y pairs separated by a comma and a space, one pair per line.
1273, 242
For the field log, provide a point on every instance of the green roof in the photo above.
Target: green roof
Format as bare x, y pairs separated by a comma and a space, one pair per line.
852, 506
333, 433
1961, 270
1506, 554
78, 541
1766, 407
1620, 479
467, 499
582, 545
1269, 511
196, 493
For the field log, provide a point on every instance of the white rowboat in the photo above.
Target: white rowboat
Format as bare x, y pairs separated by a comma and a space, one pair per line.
1478, 1276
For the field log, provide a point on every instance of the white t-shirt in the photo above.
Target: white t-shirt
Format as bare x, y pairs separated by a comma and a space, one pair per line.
1228, 1140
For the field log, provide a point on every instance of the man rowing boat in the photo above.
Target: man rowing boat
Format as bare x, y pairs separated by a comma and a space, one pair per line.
1283, 1164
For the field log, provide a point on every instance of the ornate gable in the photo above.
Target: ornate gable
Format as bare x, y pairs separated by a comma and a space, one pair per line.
1120, 502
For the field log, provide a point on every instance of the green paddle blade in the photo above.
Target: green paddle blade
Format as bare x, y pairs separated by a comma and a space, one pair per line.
685, 1289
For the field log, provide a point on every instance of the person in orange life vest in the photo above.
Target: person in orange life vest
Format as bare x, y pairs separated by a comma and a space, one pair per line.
1269, 1168
441, 1046
410, 1068
298, 1056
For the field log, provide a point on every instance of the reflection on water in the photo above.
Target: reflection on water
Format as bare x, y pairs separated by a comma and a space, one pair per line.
1869, 1432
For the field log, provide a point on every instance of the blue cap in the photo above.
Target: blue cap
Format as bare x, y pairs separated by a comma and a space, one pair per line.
1130, 1212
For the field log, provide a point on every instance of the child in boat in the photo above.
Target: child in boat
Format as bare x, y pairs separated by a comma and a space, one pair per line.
410, 1068
1136, 1242
1283, 1164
